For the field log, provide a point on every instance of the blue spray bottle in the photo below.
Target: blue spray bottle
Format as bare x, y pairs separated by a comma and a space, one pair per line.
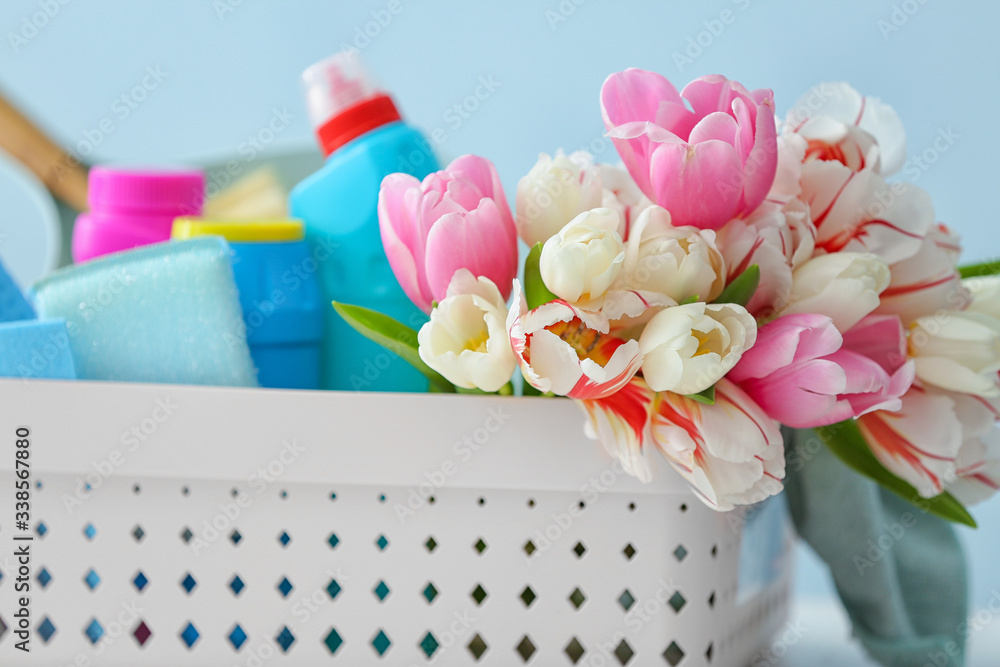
361, 133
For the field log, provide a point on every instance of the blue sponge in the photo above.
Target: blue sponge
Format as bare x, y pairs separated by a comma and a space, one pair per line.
167, 312
12, 303
36, 349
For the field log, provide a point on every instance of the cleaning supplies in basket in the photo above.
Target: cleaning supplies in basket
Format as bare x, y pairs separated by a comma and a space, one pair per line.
167, 312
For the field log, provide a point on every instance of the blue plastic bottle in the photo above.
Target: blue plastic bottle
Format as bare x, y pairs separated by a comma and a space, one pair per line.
361, 133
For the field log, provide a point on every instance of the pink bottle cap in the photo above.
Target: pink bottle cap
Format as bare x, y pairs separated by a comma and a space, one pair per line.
146, 191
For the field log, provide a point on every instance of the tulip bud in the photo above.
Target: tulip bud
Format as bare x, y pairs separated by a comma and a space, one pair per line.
581, 262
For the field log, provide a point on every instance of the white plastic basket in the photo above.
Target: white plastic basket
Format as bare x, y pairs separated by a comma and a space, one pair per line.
307, 528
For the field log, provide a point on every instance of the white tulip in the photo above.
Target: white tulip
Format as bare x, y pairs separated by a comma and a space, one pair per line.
844, 286
985, 293
680, 262
686, 349
581, 262
555, 191
466, 338
958, 351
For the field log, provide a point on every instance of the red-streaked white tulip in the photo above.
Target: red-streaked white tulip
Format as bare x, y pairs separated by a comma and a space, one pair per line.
804, 373
778, 239
844, 286
731, 452
466, 338
977, 474
581, 261
560, 349
984, 295
919, 442
706, 164
927, 282
456, 218
620, 422
686, 349
681, 262
556, 190
958, 351
857, 211
840, 124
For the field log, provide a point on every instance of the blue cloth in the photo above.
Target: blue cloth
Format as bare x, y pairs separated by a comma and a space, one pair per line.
36, 349
13, 305
900, 572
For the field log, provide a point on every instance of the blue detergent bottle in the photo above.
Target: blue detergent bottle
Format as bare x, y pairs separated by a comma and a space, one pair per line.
361, 133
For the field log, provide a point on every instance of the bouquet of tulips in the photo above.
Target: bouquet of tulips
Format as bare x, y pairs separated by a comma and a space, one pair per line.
736, 273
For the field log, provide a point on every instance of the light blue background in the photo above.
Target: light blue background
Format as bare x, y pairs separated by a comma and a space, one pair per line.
229, 64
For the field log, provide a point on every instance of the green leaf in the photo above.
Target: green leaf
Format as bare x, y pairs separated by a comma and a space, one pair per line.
393, 336
980, 270
846, 441
691, 299
742, 288
706, 397
535, 291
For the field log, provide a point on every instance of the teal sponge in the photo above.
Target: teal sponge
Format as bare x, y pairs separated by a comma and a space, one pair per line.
168, 312
36, 349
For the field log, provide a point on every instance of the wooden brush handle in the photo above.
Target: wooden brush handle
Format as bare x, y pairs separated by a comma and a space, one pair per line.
61, 173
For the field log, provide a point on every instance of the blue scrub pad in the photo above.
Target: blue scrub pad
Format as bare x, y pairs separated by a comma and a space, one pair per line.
167, 312
36, 349
12, 303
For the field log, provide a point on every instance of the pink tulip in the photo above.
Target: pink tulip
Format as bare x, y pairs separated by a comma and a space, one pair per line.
804, 373
457, 218
705, 166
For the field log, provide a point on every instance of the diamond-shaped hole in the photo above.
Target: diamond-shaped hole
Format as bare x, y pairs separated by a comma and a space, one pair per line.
44, 577
188, 583
3, 628
92, 579
186, 535
477, 647
285, 587
333, 540
680, 553
430, 592
574, 650
333, 589
46, 629
709, 651
629, 552
381, 643
527, 596
236, 585
526, 649
480, 546
624, 652
577, 598
140, 581
284, 538
138, 533
235, 537
430, 544
381, 542
381, 591
626, 600
677, 601
142, 633
333, 641
479, 594
429, 645
673, 655
715, 551
285, 639
529, 548
190, 635
579, 549
711, 600
94, 631
41, 529
237, 637
89, 531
